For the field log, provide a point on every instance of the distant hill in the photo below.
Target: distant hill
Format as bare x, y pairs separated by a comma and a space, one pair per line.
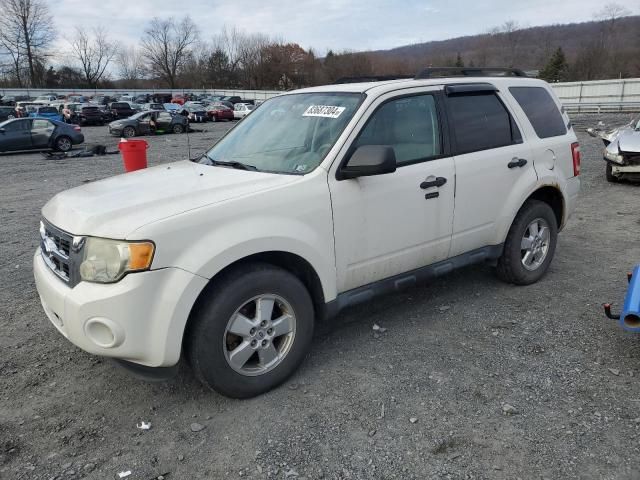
598, 49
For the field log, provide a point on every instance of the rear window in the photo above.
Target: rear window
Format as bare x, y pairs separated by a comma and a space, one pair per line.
120, 105
48, 110
481, 122
541, 111
90, 109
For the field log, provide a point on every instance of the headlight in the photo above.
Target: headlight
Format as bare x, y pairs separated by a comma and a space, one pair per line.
107, 261
613, 157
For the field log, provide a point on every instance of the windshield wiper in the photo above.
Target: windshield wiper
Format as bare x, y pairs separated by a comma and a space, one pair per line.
232, 164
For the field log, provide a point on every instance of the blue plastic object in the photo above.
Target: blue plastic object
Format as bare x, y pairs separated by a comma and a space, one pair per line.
630, 316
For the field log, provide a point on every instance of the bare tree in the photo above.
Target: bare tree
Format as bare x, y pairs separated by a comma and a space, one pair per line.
167, 45
93, 54
130, 64
26, 31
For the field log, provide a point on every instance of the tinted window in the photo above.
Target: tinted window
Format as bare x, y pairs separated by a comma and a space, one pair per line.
481, 122
164, 117
541, 111
409, 125
16, 126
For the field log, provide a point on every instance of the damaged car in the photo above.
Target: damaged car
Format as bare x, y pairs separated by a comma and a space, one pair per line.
622, 150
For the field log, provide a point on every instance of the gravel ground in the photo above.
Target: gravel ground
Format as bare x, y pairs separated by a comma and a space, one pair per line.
472, 379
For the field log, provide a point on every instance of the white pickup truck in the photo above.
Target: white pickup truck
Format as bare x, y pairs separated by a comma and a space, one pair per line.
320, 199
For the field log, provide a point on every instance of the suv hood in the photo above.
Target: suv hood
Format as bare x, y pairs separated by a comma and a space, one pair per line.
629, 141
116, 206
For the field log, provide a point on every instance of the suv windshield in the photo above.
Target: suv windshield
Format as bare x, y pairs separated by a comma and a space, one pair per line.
287, 134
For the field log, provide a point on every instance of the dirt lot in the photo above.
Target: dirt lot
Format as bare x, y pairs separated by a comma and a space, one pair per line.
425, 399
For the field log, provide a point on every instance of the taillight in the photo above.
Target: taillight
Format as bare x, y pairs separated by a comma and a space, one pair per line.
575, 154
76, 128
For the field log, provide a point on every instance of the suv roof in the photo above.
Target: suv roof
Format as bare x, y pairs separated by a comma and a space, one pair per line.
379, 88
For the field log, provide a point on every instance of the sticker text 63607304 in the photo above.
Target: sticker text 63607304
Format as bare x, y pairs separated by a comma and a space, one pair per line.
326, 111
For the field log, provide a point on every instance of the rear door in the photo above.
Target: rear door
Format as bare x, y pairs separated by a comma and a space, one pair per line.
41, 131
164, 121
493, 165
16, 135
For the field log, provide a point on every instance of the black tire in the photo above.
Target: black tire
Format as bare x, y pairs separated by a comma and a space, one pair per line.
128, 132
510, 267
213, 118
205, 347
63, 143
177, 128
609, 174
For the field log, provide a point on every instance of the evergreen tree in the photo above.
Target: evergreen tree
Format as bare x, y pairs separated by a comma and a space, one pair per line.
556, 69
459, 62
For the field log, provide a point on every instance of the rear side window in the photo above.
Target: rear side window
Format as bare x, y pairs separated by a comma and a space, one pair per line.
481, 122
541, 111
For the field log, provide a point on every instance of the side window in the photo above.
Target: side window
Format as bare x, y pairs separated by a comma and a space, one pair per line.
541, 111
481, 122
409, 125
18, 126
164, 117
39, 124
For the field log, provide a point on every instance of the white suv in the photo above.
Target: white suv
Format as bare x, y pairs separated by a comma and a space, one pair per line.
320, 199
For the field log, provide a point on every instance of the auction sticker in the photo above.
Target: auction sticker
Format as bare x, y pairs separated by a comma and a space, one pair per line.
326, 111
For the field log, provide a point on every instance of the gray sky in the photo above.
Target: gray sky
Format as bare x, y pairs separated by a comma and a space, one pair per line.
324, 24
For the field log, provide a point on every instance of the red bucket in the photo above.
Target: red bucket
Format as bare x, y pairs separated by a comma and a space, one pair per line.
134, 154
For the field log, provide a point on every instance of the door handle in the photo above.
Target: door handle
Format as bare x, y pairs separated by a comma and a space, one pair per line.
438, 182
516, 162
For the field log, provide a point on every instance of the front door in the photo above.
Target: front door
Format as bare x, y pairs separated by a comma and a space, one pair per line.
16, 135
389, 224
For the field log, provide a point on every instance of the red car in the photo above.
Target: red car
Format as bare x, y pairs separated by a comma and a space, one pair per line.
179, 99
219, 112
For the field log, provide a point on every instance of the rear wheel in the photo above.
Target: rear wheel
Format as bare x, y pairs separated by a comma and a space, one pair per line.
530, 244
128, 132
609, 174
252, 331
177, 128
63, 144
213, 118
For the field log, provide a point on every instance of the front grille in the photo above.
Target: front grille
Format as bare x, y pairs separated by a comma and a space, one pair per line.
56, 247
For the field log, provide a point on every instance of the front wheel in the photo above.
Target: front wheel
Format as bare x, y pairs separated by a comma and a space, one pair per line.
609, 174
128, 132
251, 331
177, 128
530, 244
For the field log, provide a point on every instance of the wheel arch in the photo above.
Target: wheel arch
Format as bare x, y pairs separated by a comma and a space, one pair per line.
291, 262
553, 197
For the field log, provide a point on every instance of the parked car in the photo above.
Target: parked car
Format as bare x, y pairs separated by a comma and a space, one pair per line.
152, 106
46, 99
179, 99
233, 99
47, 111
76, 98
320, 199
241, 110
11, 100
194, 111
144, 123
622, 150
219, 112
7, 113
121, 109
225, 103
38, 134
172, 108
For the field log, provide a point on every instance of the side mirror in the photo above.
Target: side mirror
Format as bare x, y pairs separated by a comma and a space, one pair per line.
369, 160
2, 130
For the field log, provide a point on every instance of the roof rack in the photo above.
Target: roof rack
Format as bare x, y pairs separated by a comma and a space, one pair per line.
435, 72
371, 78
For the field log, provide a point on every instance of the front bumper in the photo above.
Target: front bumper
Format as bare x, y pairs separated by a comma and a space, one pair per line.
140, 319
115, 130
619, 169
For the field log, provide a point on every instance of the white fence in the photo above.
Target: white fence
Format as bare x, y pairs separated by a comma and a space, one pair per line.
605, 95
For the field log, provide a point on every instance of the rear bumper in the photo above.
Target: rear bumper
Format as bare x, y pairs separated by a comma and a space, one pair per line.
140, 319
573, 190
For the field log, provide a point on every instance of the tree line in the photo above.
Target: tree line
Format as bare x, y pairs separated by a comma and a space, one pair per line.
174, 53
